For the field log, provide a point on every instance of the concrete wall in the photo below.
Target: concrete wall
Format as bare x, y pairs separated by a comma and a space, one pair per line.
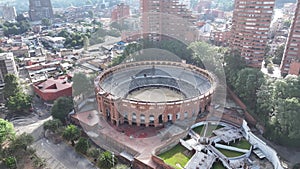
269, 152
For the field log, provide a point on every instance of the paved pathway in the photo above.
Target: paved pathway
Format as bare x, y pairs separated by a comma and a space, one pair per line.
61, 156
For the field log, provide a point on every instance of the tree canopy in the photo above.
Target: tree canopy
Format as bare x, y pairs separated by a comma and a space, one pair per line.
46, 22
16, 28
82, 145
21, 102
207, 57
233, 63
71, 133
278, 54
6, 131
82, 84
52, 125
247, 83
279, 102
22, 142
12, 86
61, 108
106, 160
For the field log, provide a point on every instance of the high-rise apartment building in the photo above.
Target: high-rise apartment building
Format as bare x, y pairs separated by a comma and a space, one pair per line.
167, 18
291, 58
8, 12
120, 12
39, 9
250, 26
7, 66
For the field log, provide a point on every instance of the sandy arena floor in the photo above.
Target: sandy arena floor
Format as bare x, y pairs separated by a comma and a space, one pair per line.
154, 94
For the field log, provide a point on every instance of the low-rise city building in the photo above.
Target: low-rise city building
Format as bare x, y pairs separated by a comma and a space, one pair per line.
51, 89
7, 66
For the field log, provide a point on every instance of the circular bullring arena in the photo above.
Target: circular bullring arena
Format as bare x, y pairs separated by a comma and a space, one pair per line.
152, 93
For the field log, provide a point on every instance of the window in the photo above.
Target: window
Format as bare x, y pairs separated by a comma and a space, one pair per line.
142, 118
37, 3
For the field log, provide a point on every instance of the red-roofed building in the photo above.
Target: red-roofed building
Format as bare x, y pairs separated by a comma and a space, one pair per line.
16, 50
52, 89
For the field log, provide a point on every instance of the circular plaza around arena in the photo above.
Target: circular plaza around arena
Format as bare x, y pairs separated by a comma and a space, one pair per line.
151, 93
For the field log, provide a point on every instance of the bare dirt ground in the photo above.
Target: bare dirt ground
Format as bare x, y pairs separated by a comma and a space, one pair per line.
154, 94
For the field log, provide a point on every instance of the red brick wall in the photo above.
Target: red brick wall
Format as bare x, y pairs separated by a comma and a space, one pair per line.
160, 162
140, 165
238, 101
50, 96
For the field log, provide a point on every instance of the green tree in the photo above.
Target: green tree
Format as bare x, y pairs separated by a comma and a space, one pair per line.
82, 145
61, 108
12, 86
6, 131
11, 162
207, 57
106, 160
278, 103
288, 117
265, 101
94, 152
22, 142
287, 23
15, 28
52, 125
71, 133
233, 63
64, 33
24, 26
46, 22
247, 84
21, 102
21, 17
82, 85
278, 54
132, 48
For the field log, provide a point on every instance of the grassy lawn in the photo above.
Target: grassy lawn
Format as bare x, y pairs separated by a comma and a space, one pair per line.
229, 153
211, 128
199, 130
174, 156
243, 144
218, 165
209, 132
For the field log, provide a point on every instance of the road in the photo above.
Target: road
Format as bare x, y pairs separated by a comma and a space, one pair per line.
61, 156
108, 41
57, 156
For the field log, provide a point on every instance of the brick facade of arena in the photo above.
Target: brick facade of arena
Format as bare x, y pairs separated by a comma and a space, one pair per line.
121, 110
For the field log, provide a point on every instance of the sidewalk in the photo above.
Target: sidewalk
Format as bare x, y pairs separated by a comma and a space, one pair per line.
61, 156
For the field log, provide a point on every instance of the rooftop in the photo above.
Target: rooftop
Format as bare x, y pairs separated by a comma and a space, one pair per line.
53, 85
